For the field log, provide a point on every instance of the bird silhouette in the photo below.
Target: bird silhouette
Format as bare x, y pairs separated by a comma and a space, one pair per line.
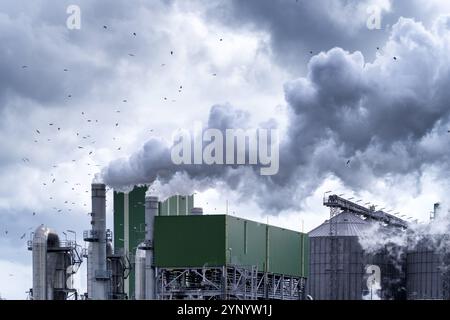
348, 162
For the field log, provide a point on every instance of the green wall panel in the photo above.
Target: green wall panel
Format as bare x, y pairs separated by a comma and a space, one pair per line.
118, 221
189, 241
218, 240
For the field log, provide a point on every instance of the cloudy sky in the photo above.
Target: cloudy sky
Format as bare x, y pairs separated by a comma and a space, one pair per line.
360, 110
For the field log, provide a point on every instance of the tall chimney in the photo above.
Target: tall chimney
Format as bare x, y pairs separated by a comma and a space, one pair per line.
97, 236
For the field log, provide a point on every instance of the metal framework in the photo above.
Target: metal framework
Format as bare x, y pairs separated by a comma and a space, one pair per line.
334, 252
226, 283
334, 201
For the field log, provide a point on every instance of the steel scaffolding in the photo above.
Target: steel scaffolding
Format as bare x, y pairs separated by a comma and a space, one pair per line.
227, 283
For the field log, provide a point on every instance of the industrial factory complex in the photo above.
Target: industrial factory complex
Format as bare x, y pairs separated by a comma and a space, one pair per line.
162, 250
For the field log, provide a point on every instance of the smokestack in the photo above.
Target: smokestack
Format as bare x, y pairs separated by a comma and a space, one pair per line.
99, 277
436, 210
197, 211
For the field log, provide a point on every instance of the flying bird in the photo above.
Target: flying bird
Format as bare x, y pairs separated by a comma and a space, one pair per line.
65, 70
23, 236
69, 96
348, 162
395, 58
171, 52
134, 33
117, 124
38, 131
105, 27
34, 213
24, 67
125, 101
131, 55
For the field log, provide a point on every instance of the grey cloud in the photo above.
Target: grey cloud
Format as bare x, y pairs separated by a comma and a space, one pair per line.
378, 115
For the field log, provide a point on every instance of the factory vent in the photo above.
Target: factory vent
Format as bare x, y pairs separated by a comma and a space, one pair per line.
197, 211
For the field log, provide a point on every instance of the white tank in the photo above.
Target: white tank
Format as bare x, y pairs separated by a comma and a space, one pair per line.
139, 273
44, 263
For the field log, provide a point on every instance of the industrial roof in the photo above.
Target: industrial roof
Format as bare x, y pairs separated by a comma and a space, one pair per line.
348, 225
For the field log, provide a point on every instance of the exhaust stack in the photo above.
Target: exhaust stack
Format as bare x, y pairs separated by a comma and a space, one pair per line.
144, 253
99, 277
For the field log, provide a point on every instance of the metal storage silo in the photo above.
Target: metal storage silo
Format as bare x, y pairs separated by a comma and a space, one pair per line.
347, 277
428, 264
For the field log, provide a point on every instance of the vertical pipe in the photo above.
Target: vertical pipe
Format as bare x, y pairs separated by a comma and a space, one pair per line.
151, 210
90, 271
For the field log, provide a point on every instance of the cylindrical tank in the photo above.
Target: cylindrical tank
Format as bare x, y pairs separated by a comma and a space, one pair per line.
44, 263
427, 265
347, 278
139, 273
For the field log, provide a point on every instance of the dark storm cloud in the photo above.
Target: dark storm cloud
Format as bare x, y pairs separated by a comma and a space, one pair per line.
298, 27
37, 47
348, 118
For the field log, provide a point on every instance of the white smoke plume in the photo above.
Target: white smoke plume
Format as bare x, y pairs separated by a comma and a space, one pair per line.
387, 118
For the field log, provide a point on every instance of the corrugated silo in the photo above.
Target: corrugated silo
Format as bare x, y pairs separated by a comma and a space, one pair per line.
347, 277
428, 264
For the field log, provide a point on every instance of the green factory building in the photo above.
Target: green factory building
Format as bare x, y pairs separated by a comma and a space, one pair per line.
212, 256
129, 222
